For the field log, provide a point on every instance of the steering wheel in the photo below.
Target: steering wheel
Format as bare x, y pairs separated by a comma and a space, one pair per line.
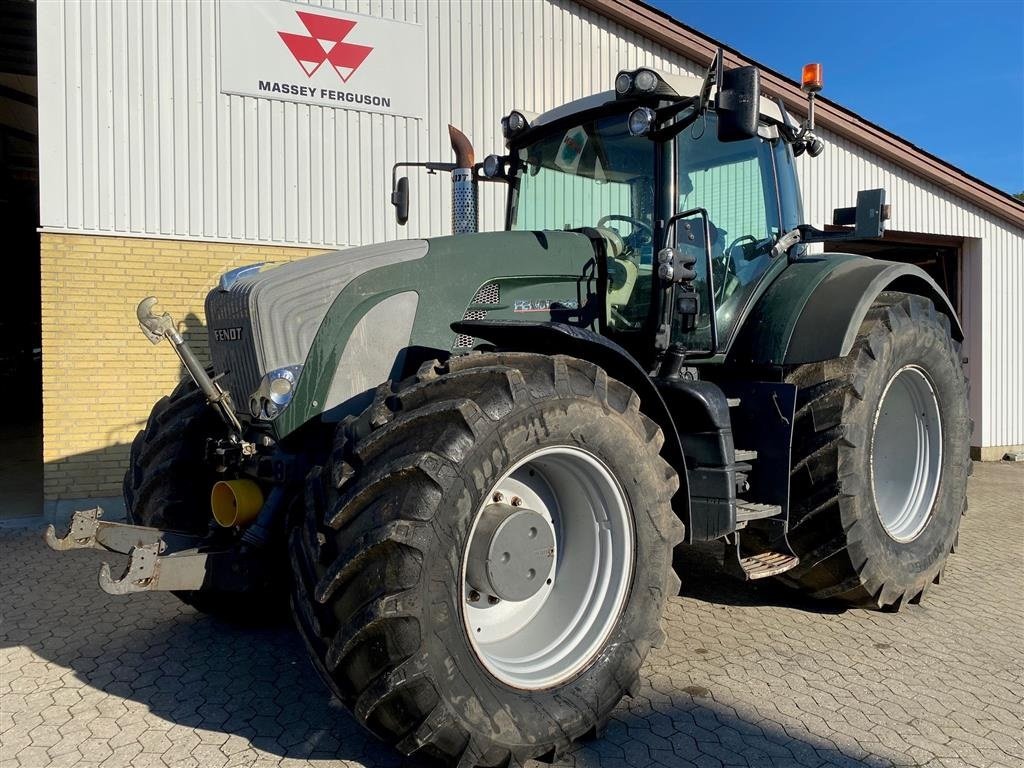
730, 277
637, 224
738, 241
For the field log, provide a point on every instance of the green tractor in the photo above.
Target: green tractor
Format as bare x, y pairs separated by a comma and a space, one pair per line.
466, 461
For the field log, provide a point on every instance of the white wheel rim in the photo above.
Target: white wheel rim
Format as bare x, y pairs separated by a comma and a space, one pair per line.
906, 454
546, 639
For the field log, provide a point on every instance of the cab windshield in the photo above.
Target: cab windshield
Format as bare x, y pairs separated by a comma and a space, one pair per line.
595, 174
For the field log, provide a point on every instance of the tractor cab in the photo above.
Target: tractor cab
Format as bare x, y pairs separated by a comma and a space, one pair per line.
658, 164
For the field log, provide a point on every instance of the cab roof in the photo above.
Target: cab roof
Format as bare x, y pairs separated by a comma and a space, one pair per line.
684, 86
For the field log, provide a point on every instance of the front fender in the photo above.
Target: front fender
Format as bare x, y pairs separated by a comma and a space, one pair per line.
814, 309
561, 339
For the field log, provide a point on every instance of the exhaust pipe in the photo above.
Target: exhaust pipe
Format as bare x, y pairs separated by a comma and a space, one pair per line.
465, 215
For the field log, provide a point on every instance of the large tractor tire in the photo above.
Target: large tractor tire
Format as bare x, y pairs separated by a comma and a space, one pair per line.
880, 459
168, 483
485, 560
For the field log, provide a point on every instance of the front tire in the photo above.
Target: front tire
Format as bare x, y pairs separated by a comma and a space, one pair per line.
167, 485
381, 593
880, 459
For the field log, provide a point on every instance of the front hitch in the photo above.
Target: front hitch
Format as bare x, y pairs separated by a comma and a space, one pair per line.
158, 560
158, 327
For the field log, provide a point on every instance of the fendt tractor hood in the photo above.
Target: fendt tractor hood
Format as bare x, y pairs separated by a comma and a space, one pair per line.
348, 317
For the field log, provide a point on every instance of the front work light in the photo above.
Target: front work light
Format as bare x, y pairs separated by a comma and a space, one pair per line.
493, 166
641, 84
641, 120
514, 123
645, 81
811, 80
623, 83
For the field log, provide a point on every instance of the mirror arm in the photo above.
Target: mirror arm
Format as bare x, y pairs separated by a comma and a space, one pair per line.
673, 130
699, 103
791, 132
431, 167
805, 233
478, 175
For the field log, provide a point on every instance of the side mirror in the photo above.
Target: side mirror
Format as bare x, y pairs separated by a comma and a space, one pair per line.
871, 213
400, 199
868, 218
738, 104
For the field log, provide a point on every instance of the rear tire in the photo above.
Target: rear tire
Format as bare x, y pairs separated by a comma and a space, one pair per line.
378, 565
167, 485
880, 459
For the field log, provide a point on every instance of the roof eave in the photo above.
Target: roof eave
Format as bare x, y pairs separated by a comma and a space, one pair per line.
660, 28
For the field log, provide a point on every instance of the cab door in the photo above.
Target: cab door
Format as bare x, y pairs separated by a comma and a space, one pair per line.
735, 184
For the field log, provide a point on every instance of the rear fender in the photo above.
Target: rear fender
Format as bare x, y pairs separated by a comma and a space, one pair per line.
814, 309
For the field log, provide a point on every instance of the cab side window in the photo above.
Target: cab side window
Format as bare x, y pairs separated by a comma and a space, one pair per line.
735, 183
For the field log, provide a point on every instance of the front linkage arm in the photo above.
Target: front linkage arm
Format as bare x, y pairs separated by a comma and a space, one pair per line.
172, 560
157, 328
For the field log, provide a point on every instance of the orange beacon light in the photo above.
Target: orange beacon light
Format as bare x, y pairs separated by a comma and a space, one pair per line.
811, 81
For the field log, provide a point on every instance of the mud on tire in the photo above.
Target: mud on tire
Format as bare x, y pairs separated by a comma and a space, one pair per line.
836, 527
377, 562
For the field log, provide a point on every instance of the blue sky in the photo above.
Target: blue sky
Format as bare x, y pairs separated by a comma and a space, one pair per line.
946, 75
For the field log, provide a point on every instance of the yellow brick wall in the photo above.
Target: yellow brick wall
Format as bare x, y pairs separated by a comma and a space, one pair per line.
100, 375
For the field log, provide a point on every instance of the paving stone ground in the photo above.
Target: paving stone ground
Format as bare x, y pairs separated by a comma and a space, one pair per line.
750, 676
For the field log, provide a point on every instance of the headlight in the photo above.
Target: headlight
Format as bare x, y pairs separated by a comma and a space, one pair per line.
517, 122
274, 392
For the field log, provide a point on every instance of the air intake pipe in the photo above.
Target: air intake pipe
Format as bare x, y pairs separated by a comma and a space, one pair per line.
465, 215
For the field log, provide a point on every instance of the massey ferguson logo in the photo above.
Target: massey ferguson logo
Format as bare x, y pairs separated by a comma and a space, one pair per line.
325, 43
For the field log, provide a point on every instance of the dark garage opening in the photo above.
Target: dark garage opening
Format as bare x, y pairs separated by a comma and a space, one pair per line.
21, 459
937, 255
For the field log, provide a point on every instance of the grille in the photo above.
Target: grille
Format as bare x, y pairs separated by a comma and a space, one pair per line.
487, 294
462, 341
236, 359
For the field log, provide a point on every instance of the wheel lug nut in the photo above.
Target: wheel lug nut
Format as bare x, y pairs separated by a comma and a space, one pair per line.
474, 596
516, 501
497, 498
492, 600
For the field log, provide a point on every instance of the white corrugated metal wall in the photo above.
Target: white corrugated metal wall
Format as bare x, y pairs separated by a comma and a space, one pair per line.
136, 139
993, 271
